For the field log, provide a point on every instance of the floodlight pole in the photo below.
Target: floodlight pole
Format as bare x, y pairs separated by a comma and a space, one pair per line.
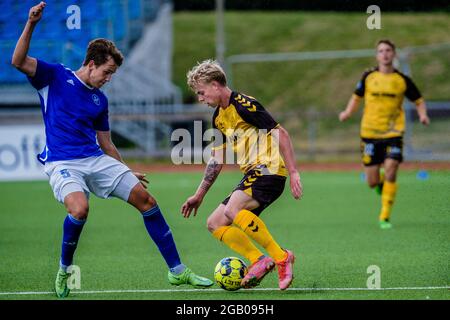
220, 32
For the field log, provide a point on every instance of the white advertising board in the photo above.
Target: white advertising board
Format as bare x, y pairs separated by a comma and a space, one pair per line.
19, 145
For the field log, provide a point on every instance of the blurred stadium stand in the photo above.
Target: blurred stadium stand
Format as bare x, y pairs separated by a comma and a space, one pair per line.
145, 106
119, 20
141, 89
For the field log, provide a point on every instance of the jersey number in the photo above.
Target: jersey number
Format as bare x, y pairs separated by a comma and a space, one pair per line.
64, 173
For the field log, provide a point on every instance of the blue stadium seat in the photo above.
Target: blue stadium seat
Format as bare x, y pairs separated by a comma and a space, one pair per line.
5, 13
2, 29
74, 35
51, 30
135, 9
100, 29
6, 52
120, 24
118, 20
6, 9
11, 75
12, 30
93, 10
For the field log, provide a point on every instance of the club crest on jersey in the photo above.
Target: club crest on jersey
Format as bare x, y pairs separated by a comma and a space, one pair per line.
96, 99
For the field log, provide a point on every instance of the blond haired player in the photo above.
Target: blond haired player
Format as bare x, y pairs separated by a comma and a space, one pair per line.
240, 119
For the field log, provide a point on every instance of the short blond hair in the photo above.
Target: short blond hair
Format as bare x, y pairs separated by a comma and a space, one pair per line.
206, 72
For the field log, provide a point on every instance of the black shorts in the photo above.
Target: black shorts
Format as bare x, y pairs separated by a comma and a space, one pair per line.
262, 187
375, 151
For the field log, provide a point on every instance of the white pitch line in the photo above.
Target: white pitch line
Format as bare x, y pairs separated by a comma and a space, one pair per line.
217, 290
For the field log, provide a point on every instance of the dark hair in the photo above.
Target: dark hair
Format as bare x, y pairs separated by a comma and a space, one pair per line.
99, 50
388, 42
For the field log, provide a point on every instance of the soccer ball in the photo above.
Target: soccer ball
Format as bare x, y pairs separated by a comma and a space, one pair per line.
229, 272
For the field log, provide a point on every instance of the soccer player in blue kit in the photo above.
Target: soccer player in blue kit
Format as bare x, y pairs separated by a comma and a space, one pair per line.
75, 114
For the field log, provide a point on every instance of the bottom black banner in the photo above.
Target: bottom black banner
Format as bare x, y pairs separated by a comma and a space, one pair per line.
227, 309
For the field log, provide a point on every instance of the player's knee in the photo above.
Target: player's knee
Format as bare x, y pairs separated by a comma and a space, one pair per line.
210, 227
141, 199
147, 202
79, 211
211, 224
229, 213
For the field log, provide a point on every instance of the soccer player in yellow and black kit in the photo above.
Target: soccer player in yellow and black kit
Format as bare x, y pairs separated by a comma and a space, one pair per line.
265, 154
383, 123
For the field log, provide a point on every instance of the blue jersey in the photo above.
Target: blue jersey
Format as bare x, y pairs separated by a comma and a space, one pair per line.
72, 112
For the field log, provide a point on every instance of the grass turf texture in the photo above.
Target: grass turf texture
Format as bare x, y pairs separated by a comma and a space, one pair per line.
333, 231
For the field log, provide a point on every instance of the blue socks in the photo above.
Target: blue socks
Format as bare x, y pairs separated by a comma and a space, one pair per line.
156, 227
160, 233
71, 233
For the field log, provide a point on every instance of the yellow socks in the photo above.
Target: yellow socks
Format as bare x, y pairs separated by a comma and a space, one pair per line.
255, 228
238, 241
387, 199
381, 176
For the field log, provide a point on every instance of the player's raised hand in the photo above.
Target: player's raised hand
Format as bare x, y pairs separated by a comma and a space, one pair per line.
35, 13
142, 178
296, 185
192, 203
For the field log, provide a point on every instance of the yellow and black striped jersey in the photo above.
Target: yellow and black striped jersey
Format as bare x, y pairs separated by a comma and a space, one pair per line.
383, 93
247, 127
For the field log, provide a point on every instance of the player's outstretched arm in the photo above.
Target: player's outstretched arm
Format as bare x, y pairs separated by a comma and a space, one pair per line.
212, 171
20, 58
422, 112
109, 148
352, 106
287, 152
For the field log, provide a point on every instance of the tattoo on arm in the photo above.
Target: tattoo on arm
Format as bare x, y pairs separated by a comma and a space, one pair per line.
211, 172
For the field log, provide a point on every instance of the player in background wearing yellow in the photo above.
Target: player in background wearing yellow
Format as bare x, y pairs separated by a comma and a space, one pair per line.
383, 123
238, 119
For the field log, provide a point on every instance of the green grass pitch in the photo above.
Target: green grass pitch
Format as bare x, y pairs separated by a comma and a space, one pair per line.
333, 232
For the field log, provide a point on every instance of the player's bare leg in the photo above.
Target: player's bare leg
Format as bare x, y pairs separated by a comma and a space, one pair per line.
77, 205
141, 199
391, 167
372, 175
218, 219
239, 200
375, 177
